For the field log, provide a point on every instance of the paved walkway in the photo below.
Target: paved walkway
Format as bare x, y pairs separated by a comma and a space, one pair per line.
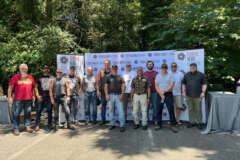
98, 143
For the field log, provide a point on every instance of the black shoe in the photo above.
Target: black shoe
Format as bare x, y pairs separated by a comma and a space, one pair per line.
55, 128
200, 126
136, 126
49, 128
157, 128
102, 123
112, 127
94, 122
69, 126
144, 128
174, 129
122, 129
190, 125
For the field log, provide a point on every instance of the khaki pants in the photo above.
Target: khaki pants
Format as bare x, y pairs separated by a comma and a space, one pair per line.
195, 109
142, 100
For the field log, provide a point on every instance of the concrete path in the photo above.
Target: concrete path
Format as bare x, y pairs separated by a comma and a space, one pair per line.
95, 142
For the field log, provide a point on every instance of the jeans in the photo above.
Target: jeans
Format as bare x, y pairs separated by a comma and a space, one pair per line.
63, 102
114, 101
103, 104
73, 105
169, 102
153, 101
46, 102
91, 97
19, 105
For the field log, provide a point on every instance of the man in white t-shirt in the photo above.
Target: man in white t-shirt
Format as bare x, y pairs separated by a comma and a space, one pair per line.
177, 93
128, 76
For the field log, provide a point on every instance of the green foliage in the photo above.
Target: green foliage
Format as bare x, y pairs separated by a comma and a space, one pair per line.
36, 47
212, 25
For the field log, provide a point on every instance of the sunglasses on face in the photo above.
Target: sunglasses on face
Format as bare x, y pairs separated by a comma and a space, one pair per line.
58, 72
164, 67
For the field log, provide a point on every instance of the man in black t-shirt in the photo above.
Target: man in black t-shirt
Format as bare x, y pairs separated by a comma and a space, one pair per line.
114, 89
43, 98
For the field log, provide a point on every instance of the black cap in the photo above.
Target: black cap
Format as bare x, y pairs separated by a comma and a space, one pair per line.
45, 67
193, 64
114, 66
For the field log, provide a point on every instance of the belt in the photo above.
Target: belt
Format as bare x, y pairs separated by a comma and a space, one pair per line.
140, 93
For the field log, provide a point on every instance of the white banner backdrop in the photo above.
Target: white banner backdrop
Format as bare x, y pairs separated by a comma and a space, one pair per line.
182, 58
96, 60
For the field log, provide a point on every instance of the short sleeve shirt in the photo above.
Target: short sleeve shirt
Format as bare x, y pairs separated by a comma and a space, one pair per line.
140, 85
128, 77
151, 77
114, 84
89, 83
194, 82
178, 77
23, 87
43, 83
74, 84
164, 81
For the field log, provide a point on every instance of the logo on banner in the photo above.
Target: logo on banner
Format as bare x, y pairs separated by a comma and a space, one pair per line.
136, 62
63, 60
122, 56
95, 69
94, 56
149, 54
181, 56
122, 69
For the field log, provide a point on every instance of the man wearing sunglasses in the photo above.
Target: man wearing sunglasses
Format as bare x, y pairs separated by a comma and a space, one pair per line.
60, 95
164, 84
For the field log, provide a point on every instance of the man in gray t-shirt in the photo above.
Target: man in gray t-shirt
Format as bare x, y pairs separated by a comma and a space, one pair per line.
164, 84
89, 85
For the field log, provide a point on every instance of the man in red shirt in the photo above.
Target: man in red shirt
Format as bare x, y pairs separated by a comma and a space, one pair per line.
23, 85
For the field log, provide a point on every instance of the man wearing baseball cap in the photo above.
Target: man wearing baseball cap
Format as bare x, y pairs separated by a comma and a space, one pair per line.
43, 98
114, 89
194, 86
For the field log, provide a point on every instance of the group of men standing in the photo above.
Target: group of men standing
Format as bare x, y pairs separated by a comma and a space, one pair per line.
148, 89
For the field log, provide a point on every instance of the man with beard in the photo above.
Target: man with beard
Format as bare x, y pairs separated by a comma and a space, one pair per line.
75, 85
43, 98
59, 92
151, 75
101, 78
23, 85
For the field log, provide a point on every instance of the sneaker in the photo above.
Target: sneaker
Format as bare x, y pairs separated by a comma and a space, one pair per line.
157, 128
28, 129
122, 129
69, 126
174, 129
136, 126
37, 128
144, 128
112, 127
16, 132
